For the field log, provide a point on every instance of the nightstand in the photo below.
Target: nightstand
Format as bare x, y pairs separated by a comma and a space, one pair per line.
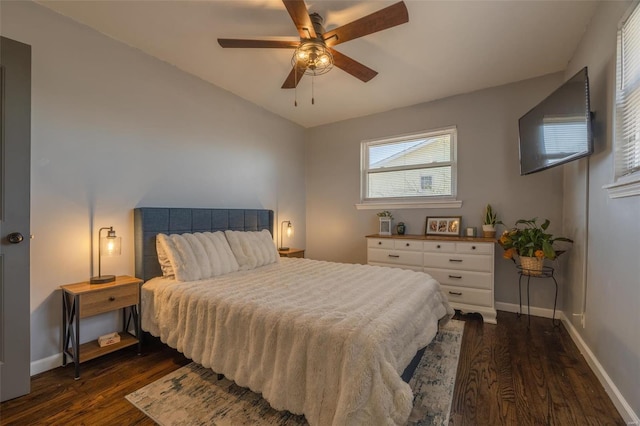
291, 252
82, 300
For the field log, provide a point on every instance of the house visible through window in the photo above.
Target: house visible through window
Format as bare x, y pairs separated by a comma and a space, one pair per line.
410, 167
426, 183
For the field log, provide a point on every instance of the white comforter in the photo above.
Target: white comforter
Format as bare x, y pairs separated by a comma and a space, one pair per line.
326, 340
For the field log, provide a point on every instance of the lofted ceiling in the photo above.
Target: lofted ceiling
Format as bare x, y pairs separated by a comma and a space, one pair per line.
446, 48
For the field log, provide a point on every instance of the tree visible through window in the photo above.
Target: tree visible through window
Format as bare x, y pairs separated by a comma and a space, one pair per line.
408, 167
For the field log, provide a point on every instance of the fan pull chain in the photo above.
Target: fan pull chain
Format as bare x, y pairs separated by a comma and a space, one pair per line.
295, 86
313, 101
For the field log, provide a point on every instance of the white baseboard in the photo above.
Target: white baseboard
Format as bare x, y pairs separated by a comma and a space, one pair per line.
612, 390
535, 311
46, 364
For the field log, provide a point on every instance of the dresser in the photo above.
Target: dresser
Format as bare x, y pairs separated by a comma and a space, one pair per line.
464, 266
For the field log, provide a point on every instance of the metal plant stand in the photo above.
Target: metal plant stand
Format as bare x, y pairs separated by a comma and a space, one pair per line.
547, 272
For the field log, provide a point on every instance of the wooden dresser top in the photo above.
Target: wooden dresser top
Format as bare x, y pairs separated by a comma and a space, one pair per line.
435, 237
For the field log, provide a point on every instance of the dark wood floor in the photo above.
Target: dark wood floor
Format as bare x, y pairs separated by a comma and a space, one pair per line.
507, 375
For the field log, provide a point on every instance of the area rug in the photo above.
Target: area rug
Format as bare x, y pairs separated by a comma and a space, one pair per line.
193, 395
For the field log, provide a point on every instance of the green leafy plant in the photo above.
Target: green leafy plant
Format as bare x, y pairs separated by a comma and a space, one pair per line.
490, 217
385, 213
529, 239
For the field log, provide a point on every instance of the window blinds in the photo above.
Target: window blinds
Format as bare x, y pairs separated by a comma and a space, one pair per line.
627, 155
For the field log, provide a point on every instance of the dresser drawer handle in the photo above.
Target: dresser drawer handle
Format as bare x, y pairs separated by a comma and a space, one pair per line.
458, 277
111, 298
455, 260
379, 243
394, 255
456, 293
438, 246
473, 247
408, 244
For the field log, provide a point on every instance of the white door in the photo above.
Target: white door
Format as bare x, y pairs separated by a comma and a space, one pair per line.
15, 153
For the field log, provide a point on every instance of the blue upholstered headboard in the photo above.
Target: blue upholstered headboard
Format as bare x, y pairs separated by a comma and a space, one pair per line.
150, 221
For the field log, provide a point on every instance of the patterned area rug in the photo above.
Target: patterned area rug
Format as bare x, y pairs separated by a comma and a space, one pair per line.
192, 395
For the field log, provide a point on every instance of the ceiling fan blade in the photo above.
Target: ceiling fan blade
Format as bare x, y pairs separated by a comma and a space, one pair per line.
293, 78
275, 44
388, 17
300, 15
352, 66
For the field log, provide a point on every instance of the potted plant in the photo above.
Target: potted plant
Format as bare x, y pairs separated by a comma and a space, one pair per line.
531, 243
385, 222
489, 222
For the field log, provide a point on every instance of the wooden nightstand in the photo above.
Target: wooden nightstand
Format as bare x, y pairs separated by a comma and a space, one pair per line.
83, 300
291, 252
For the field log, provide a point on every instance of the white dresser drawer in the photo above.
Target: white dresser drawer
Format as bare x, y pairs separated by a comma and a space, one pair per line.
474, 248
395, 257
440, 246
388, 265
482, 280
468, 296
467, 262
384, 243
408, 245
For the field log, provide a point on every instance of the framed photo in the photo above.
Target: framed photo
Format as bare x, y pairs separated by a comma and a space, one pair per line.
385, 226
443, 225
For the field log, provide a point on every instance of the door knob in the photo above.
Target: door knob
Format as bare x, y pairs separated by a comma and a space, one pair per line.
15, 238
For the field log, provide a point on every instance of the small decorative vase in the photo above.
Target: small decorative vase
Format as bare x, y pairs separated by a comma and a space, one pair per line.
400, 228
488, 231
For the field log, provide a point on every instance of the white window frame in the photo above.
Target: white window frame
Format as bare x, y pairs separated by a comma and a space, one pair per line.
448, 201
626, 181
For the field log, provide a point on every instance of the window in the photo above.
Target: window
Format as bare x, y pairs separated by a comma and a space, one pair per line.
627, 110
426, 183
417, 167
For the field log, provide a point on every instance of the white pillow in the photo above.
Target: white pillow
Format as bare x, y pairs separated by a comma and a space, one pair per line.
252, 248
197, 256
163, 259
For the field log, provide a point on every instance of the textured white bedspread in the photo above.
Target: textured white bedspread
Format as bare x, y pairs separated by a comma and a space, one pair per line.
327, 340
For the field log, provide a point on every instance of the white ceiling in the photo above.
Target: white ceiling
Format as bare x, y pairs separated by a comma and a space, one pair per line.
446, 48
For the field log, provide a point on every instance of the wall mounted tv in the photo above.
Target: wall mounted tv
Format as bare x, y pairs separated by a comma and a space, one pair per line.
558, 129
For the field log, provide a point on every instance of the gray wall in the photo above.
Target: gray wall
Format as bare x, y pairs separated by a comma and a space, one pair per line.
113, 129
612, 276
488, 172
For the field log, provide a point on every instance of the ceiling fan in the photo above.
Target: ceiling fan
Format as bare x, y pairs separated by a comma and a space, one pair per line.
314, 53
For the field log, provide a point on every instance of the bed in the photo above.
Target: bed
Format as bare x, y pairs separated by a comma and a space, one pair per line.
323, 339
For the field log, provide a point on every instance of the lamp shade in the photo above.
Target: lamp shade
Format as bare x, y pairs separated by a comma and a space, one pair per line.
110, 246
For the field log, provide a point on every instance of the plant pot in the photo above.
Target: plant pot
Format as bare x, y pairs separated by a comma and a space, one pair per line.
488, 231
531, 265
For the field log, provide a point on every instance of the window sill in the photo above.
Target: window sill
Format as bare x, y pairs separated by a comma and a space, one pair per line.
629, 187
442, 204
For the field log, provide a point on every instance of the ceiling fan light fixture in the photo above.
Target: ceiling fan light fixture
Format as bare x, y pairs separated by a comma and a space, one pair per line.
313, 57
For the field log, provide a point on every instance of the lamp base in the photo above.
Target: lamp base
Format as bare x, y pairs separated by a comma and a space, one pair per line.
102, 279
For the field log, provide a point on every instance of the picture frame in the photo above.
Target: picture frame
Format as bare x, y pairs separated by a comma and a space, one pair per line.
443, 225
385, 226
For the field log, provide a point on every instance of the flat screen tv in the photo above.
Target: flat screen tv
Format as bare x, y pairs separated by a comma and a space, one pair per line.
558, 129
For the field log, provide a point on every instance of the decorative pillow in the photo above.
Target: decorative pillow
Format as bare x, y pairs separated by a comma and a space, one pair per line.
163, 259
252, 249
197, 256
